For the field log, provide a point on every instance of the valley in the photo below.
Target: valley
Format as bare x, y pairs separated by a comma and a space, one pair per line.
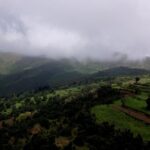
58, 105
64, 113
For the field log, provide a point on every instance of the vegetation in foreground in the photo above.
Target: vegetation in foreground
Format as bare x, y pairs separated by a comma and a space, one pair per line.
62, 119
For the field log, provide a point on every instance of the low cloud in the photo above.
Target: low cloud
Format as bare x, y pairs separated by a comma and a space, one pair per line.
97, 29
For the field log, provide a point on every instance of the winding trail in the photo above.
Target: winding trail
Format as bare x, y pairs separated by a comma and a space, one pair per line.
134, 113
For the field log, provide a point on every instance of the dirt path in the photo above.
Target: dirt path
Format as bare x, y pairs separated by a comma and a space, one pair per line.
135, 114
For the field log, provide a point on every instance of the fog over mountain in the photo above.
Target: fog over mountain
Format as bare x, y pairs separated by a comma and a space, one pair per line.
99, 29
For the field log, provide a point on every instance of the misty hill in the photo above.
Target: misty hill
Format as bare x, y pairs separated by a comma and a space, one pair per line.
51, 74
23, 73
13, 63
7, 61
54, 75
120, 71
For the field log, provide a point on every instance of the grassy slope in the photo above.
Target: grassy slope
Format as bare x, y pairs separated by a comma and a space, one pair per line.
105, 113
138, 103
121, 120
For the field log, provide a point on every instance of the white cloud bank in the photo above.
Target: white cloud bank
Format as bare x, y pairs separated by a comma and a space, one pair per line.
101, 29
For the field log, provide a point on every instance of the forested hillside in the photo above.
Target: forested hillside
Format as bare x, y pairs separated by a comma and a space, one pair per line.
56, 74
77, 117
51, 104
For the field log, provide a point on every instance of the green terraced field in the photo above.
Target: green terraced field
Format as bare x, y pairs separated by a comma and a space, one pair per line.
105, 113
135, 103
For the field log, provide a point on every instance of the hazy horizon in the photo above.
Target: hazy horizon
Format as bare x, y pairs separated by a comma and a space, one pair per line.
98, 29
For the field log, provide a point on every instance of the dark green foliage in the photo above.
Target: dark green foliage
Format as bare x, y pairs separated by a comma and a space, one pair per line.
107, 94
137, 79
39, 143
72, 121
148, 103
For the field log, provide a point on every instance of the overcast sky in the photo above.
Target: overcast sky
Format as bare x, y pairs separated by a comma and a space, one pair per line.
100, 29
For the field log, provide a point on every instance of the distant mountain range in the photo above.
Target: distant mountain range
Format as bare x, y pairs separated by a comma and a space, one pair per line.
13, 63
22, 73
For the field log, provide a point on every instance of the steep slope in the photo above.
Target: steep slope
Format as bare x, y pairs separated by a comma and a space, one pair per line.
52, 74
